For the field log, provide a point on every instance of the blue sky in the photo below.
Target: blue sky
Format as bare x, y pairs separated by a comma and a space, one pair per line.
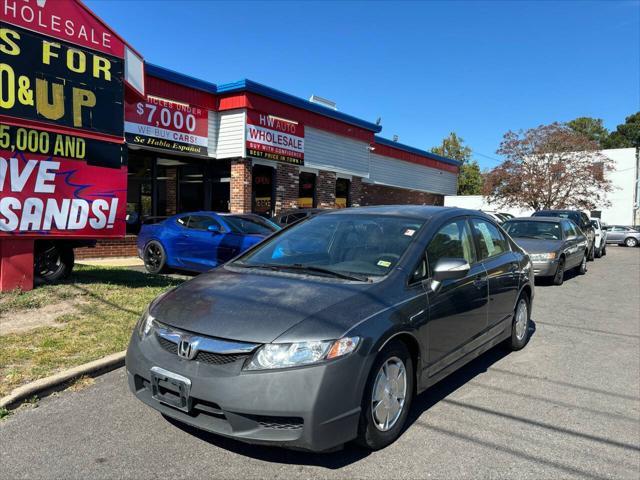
478, 68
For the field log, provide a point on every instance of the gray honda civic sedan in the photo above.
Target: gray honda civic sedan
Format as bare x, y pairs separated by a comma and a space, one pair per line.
324, 332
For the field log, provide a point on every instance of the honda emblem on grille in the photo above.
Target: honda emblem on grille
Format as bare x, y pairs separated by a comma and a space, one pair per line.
186, 349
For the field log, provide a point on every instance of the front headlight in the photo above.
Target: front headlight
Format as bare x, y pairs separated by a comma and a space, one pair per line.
282, 355
542, 257
145, 324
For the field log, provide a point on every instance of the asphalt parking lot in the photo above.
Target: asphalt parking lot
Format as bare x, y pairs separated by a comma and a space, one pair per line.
567, 406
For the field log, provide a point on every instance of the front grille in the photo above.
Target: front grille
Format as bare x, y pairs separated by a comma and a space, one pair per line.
167, 345
218, 359
205, 357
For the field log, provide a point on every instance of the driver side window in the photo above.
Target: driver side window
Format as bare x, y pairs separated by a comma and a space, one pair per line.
452, 240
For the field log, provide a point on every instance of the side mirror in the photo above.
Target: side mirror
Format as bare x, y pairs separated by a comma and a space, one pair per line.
214, 229
450, 269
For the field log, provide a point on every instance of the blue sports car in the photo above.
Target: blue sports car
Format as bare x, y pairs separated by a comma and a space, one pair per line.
200, 241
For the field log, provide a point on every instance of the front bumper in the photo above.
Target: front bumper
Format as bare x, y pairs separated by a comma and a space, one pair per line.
314, 407
545, 269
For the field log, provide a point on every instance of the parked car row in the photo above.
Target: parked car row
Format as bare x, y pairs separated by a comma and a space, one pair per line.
377, 303
560, 240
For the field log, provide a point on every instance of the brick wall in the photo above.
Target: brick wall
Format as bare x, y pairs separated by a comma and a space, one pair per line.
326, 189
287, 181
117, 247
240, 187
172, 194
355, 191
383, 195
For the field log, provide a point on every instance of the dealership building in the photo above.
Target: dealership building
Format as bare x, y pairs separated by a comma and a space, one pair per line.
245, 147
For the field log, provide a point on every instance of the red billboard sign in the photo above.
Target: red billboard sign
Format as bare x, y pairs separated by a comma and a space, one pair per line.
56, 185
62, 159
65, 20
274, 138
166, 124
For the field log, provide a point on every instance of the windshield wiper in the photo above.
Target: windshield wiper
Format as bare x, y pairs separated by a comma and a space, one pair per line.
304, 268
328, 271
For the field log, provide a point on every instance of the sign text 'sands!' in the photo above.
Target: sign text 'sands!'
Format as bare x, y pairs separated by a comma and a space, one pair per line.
274, 138
62, 159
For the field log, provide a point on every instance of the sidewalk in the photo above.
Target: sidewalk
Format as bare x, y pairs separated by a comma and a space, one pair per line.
112, 262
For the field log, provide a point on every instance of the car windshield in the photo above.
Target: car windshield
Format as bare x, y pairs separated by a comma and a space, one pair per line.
364, 245
250, 225
532, 229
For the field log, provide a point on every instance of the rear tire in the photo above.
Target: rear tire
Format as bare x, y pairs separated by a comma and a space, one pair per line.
52, 263
631, 242
592, 255
154, 257
558, 278
520, 323
379, 429
604, 250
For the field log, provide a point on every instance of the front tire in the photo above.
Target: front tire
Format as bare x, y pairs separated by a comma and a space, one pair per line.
388, 396
582, 268
558, 278
598, 252
592, 254
631, 242
154, 257
520, 324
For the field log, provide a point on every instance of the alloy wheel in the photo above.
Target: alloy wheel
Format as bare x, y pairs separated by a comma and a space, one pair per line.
631, 242
389, 394
522, 317
152, 257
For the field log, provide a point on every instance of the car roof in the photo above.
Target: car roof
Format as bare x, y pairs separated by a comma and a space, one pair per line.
538, 219
417, 211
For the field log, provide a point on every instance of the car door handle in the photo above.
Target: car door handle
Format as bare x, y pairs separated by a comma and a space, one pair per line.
513, 268
479, 281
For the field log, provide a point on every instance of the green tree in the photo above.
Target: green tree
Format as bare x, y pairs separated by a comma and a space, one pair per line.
469, 177
592, 128
453, 146
627, 134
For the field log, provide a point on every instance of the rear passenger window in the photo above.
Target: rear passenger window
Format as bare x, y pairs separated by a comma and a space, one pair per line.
453, 240
490, 240
201, 222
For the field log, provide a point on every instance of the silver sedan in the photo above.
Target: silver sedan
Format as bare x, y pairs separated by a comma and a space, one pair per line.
622, 235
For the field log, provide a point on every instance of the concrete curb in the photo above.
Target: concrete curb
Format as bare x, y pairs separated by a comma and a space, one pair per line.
55, 382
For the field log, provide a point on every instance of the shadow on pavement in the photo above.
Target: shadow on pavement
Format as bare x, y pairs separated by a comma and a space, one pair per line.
351, 452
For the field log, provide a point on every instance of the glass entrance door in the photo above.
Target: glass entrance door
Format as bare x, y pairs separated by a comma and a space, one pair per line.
263, 190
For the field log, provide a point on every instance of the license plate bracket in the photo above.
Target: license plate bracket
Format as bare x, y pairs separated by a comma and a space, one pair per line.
171, 389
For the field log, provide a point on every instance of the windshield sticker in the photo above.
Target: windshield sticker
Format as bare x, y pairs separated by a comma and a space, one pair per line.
384, 263
409, 232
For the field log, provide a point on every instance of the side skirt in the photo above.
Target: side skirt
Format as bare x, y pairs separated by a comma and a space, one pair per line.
492, 337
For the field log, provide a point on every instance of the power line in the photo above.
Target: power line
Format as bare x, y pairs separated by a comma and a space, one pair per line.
487, 156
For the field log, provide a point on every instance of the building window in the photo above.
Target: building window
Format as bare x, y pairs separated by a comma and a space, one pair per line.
307, 190
262, 190
191, 187
342, 193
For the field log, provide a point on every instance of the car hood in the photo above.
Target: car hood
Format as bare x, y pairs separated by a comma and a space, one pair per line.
534, 245
256, 306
